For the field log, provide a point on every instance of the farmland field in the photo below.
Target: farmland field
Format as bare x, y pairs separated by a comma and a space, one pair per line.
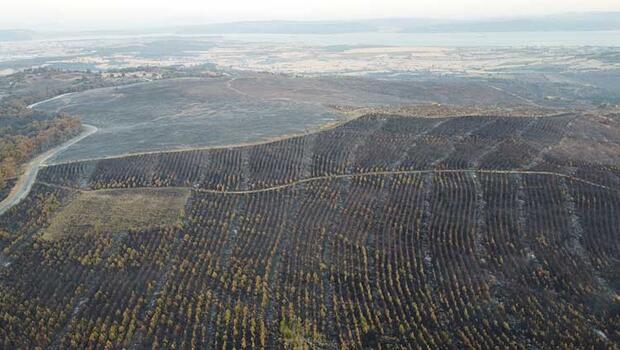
172, 181
385, 232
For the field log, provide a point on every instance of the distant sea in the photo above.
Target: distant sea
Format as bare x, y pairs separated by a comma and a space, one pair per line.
486, 39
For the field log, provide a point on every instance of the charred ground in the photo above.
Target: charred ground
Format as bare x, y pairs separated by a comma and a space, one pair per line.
443, 232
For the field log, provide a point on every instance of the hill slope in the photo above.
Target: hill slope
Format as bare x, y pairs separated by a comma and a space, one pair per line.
462, 232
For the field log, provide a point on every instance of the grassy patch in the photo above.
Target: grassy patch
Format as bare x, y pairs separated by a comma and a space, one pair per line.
117, 210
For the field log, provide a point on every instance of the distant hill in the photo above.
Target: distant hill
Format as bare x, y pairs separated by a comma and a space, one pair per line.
565, 22
282, 27
15, 35
591, 21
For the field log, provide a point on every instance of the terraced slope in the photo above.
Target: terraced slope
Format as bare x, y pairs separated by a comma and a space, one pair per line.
369, 144
470, 232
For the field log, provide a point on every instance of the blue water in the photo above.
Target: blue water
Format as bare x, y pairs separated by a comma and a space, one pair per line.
512, 39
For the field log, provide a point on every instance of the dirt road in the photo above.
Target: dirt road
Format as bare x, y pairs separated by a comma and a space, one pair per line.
26, 180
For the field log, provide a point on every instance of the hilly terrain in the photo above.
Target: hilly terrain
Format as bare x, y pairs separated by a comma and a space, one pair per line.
407, 230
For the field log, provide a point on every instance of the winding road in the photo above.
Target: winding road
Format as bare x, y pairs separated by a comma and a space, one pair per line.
27, 178
473, 171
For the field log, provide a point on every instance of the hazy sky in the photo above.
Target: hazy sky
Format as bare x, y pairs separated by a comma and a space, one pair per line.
45, 14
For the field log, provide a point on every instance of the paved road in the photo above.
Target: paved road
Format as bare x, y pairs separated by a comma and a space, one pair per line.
26, 180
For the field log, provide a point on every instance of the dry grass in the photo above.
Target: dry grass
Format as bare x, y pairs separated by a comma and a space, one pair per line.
111, 211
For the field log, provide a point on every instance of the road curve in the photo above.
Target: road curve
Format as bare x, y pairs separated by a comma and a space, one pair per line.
50, 99
472, 171
26, 179
401, 172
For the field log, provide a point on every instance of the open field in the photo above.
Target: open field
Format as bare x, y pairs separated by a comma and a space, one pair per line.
387, 231
185, 113
118, 211
247, 108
